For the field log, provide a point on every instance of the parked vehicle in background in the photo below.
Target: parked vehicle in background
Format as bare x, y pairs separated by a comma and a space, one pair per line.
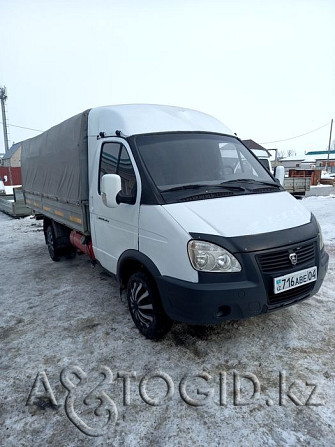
297, 186
264, 158
171, 202
2, 187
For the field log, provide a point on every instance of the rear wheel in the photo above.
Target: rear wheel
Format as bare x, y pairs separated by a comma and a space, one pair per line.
145, 307
52, 244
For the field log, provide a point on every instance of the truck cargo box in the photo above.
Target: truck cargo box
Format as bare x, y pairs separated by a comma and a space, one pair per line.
55, 173
297, 185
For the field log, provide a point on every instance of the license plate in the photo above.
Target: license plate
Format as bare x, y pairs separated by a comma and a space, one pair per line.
295, 279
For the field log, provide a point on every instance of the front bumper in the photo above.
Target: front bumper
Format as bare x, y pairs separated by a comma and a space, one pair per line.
213, 302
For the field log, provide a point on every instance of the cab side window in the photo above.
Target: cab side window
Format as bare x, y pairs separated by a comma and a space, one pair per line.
127, 174
115, 160
108, 160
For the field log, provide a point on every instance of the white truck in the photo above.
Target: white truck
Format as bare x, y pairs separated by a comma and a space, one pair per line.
170, 201
2, 187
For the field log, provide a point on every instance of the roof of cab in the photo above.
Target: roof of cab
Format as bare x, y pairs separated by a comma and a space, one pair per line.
135, 119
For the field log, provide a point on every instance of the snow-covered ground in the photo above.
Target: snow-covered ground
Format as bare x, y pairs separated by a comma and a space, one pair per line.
60, 316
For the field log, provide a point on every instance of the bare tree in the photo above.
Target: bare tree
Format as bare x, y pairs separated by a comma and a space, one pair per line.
282, 153
291, 153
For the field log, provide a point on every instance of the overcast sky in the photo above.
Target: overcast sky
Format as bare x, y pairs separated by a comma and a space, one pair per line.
264, 68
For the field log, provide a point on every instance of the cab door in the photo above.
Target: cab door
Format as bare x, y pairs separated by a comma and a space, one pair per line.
115, 229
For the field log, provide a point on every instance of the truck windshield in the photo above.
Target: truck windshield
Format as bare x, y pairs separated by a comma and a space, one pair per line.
192, 160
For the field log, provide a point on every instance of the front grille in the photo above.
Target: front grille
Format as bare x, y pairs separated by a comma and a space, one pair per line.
279, 260
277, 263
299, 292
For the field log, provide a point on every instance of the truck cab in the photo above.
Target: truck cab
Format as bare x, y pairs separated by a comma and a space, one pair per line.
181, 210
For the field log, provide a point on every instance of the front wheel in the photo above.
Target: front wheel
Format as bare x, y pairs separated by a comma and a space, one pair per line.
145, 307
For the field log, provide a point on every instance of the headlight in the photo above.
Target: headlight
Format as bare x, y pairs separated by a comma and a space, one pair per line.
207, 257
321, 243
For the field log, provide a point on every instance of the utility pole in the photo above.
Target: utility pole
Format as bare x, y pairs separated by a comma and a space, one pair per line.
3, 97
330, 140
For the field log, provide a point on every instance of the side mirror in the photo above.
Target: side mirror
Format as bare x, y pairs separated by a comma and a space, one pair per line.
280, 174
110, 187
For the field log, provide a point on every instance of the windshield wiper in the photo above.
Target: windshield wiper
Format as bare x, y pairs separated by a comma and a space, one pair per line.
251, 180
208, 187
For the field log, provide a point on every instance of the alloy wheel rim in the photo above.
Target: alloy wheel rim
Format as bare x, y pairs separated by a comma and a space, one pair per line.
141, 304
50, 243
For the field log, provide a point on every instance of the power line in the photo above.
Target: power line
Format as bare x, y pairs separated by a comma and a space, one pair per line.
265, 142
21, 127
298, 136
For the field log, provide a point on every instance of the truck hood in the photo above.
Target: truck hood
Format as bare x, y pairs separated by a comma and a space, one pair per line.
240, 215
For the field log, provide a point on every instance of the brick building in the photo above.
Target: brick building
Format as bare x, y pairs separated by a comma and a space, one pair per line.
10, 166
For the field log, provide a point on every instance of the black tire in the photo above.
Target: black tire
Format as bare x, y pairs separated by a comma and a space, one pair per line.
146, 308
52, 244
